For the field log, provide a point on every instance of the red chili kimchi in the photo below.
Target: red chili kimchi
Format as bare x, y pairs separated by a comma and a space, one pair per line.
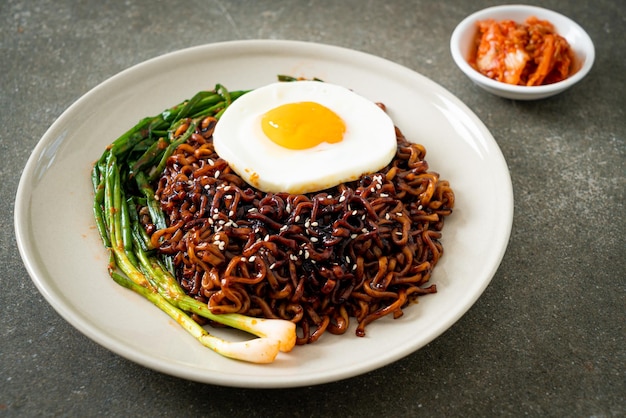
526, 54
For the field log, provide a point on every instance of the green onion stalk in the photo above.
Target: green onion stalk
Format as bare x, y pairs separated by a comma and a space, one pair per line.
121, 180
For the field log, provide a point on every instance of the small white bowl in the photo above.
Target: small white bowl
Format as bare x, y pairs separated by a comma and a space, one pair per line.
464, 34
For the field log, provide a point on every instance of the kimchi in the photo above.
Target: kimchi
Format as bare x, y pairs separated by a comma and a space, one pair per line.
526, 54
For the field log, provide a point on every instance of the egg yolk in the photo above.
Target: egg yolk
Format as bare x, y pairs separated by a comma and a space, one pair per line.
302, 125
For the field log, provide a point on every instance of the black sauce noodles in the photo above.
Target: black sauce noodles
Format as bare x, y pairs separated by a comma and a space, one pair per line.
358, 251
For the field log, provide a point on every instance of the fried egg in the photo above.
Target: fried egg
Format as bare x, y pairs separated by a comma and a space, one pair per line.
304, 136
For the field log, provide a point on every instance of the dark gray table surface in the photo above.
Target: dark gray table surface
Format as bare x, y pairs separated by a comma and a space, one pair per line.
547, 337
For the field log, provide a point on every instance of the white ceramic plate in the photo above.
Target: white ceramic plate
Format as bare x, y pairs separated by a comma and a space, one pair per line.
63, 254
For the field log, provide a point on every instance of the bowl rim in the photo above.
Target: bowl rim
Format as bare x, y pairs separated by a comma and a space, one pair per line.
542, 13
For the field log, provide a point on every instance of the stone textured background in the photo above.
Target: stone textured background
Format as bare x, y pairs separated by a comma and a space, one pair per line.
547, 338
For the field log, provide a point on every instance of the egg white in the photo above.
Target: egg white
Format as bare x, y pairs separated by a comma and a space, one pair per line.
368, 145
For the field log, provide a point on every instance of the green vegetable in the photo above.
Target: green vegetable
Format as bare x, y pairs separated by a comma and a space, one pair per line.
121, 180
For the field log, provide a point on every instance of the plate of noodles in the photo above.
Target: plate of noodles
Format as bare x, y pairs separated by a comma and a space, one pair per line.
63, 253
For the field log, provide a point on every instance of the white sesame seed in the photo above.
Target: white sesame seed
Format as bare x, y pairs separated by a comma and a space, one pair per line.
372, 189
347, 259
354, 212
231, 213
306, 254
387, 216
378, 186
252, 258
253, 210
210, 161
342, 199
398, 214
420, 207
272, 266
364, 230
267, 238
314, 224
293, 257
398, 233
244, 259
353, 236
288, 208
217, 173
354, 267
314, 239
384, 195
307, 223
297, 218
